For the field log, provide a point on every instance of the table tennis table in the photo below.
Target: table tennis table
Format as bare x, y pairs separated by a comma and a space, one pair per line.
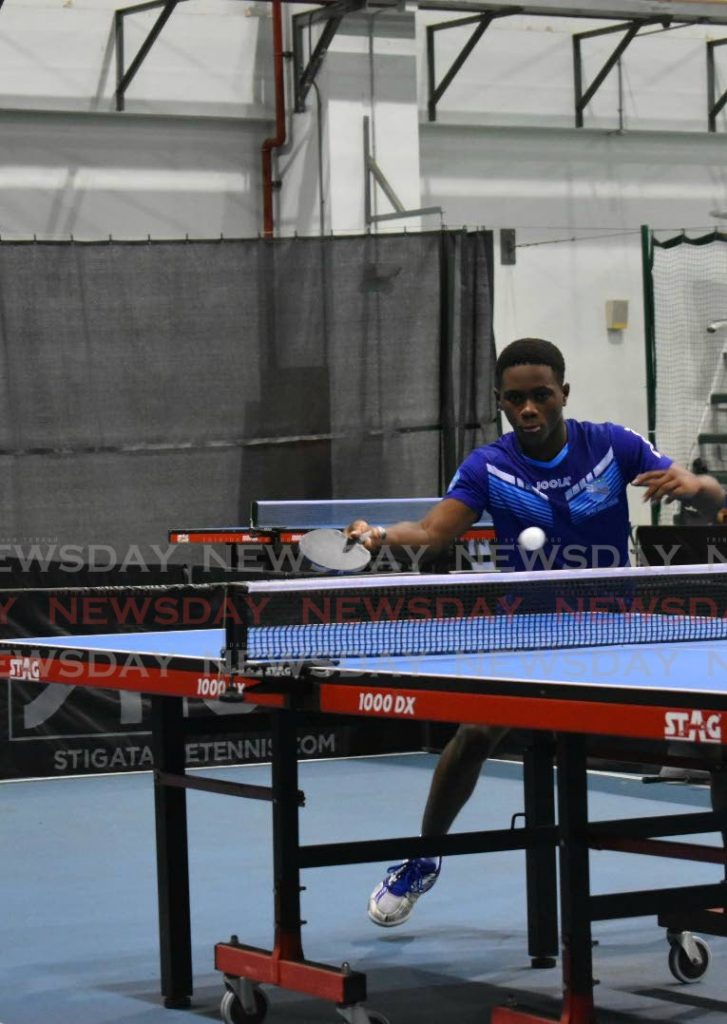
639, 654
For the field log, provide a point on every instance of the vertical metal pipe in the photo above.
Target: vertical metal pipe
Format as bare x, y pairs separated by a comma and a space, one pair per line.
711, 89
119, 41
647, 261
578, 81
431, 75
278, 139
649, 329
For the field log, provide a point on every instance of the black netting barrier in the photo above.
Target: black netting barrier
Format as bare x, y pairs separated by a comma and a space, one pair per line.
148, 386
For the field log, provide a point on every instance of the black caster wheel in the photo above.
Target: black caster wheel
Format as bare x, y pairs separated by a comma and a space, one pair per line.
233, 1012
683, 968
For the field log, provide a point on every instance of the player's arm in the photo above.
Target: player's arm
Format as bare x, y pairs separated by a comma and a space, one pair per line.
675, 483
444, 523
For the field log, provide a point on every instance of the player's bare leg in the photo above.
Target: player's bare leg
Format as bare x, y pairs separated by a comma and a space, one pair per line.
455, 777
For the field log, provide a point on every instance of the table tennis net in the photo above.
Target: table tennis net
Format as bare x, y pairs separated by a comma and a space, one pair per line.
419, 617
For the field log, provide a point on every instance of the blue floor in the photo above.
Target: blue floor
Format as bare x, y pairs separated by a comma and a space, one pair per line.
78, 939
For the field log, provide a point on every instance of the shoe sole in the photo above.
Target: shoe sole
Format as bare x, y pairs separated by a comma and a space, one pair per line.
388, 924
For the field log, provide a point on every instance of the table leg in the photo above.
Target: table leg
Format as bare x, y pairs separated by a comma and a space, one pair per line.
575, 882
286, 837
574, 893
170, 809
540, 861
285, 966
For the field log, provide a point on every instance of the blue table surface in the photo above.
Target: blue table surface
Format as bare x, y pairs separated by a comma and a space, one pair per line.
684, 667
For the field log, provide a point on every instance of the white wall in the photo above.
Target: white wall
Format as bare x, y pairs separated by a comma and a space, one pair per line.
184, 159
558, 291
212, 57
521, 73
370, 72
503, 153
128, 176
577, 200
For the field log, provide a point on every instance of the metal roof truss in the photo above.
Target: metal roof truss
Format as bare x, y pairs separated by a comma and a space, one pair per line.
583, 94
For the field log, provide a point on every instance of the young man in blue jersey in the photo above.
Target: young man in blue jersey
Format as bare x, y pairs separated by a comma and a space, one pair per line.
569, 478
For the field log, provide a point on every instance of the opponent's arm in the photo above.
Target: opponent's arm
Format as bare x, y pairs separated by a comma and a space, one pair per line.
675, 483
444, 523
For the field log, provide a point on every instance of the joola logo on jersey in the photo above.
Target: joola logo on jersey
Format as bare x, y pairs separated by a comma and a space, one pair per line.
562, 481
693, 726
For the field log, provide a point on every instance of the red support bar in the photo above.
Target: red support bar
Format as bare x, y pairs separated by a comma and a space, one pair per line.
663, 848
568, 716
576, 1010
337, 984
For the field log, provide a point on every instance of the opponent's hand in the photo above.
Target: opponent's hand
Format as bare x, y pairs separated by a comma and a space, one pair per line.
372, 537
672, 484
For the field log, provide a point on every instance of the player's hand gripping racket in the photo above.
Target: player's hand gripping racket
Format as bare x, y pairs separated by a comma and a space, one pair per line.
334, 551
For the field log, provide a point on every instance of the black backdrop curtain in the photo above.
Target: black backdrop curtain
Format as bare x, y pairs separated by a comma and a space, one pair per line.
149, 386
145, 386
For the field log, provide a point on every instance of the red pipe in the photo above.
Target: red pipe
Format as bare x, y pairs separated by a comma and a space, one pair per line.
277, 140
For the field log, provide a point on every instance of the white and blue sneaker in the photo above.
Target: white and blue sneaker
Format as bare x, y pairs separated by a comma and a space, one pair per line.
392, 901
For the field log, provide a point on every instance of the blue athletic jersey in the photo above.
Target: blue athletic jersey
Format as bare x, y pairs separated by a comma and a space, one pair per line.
578, 498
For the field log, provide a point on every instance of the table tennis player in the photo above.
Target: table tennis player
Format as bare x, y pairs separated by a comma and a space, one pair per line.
565, 476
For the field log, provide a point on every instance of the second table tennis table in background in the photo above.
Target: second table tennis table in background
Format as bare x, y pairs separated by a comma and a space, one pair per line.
274, 524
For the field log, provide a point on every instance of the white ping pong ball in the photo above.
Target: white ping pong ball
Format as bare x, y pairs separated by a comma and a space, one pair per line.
532, 538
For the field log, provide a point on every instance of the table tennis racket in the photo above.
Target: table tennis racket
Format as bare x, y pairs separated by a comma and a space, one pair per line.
333, 550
